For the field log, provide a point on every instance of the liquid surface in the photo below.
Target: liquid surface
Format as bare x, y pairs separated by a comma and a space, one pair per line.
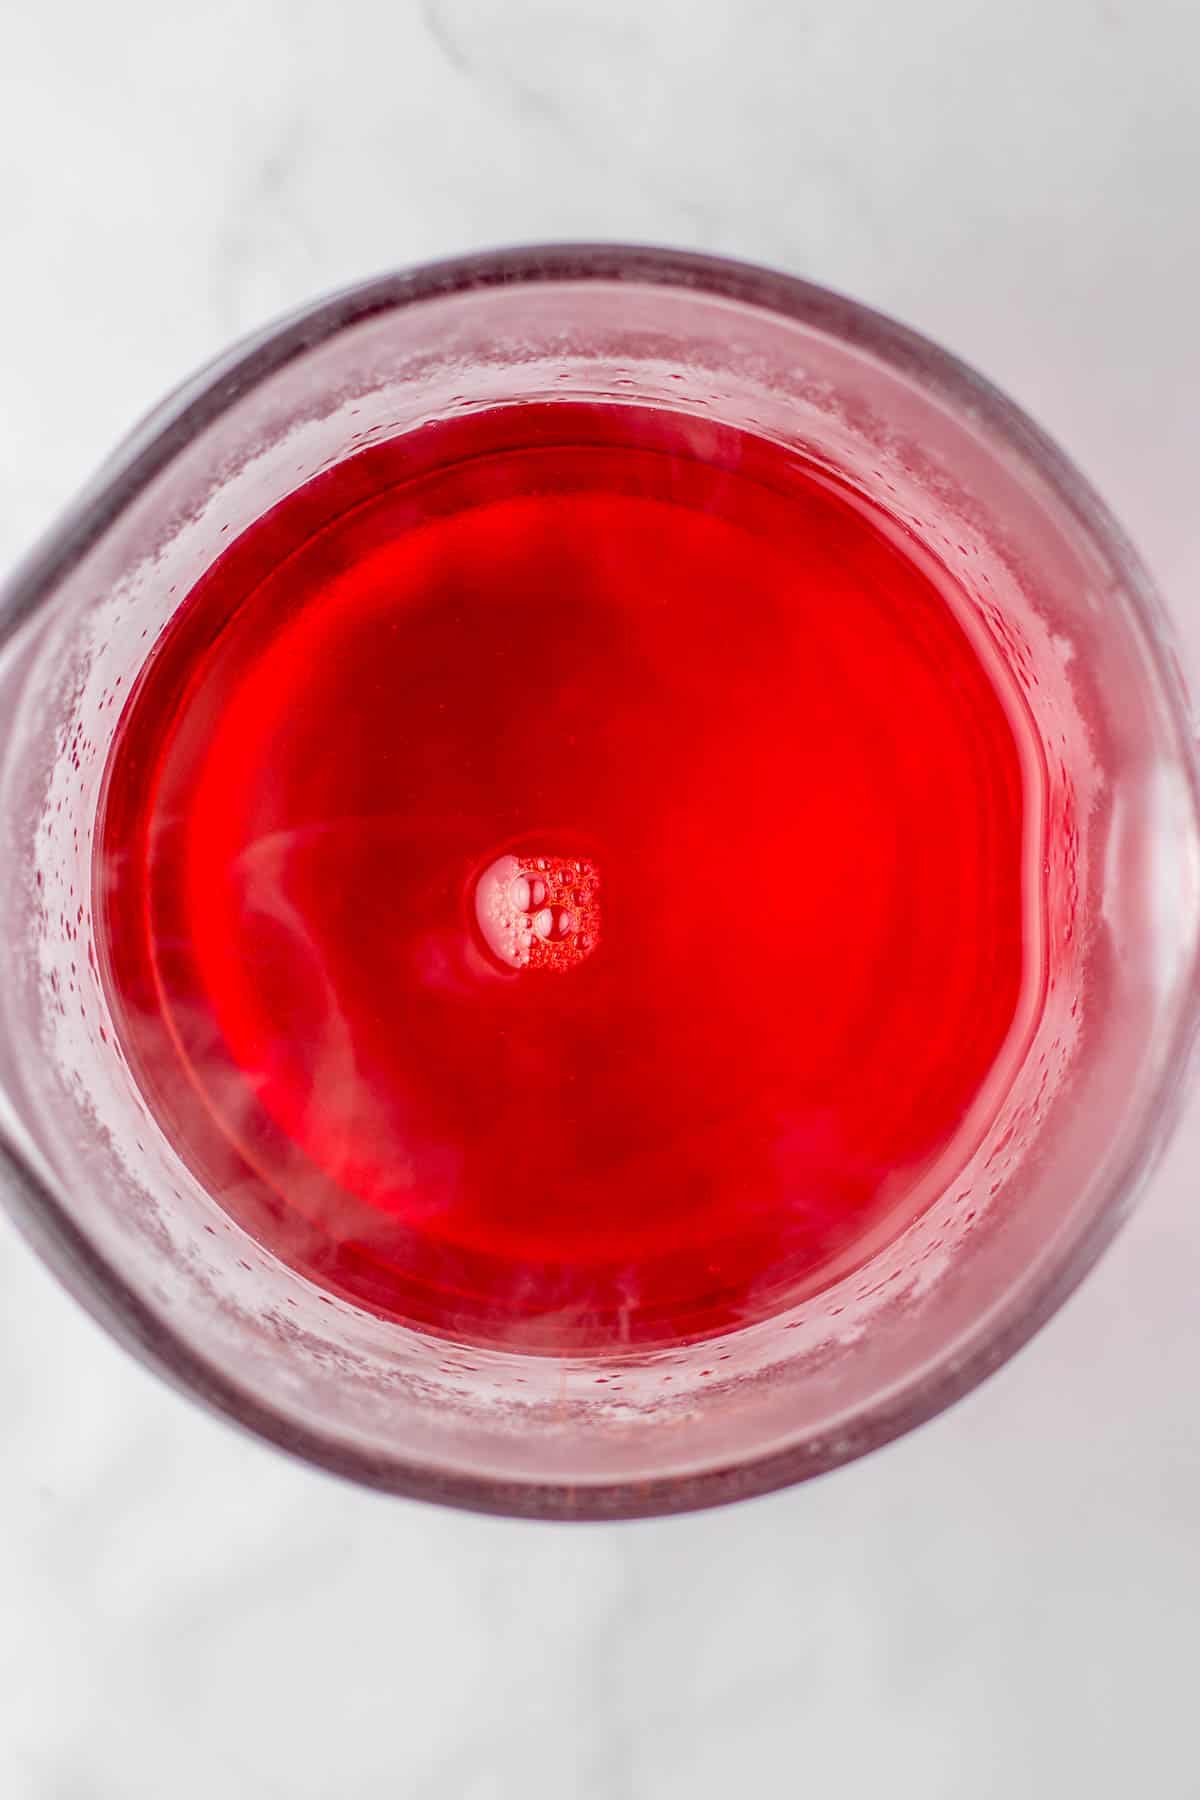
561, 878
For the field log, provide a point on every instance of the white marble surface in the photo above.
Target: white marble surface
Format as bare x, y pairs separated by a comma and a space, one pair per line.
1003, 1605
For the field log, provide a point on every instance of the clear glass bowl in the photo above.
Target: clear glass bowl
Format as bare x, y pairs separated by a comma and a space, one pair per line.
103, 1196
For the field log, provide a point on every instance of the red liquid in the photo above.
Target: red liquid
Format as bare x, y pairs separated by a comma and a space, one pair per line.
561, 877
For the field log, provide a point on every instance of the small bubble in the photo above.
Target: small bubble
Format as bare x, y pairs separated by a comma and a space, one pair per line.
527, 893
554, 923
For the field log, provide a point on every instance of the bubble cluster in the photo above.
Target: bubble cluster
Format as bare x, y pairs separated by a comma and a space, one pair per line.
539, 912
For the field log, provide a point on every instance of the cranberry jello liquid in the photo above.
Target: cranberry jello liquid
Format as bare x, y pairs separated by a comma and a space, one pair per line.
562, 877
